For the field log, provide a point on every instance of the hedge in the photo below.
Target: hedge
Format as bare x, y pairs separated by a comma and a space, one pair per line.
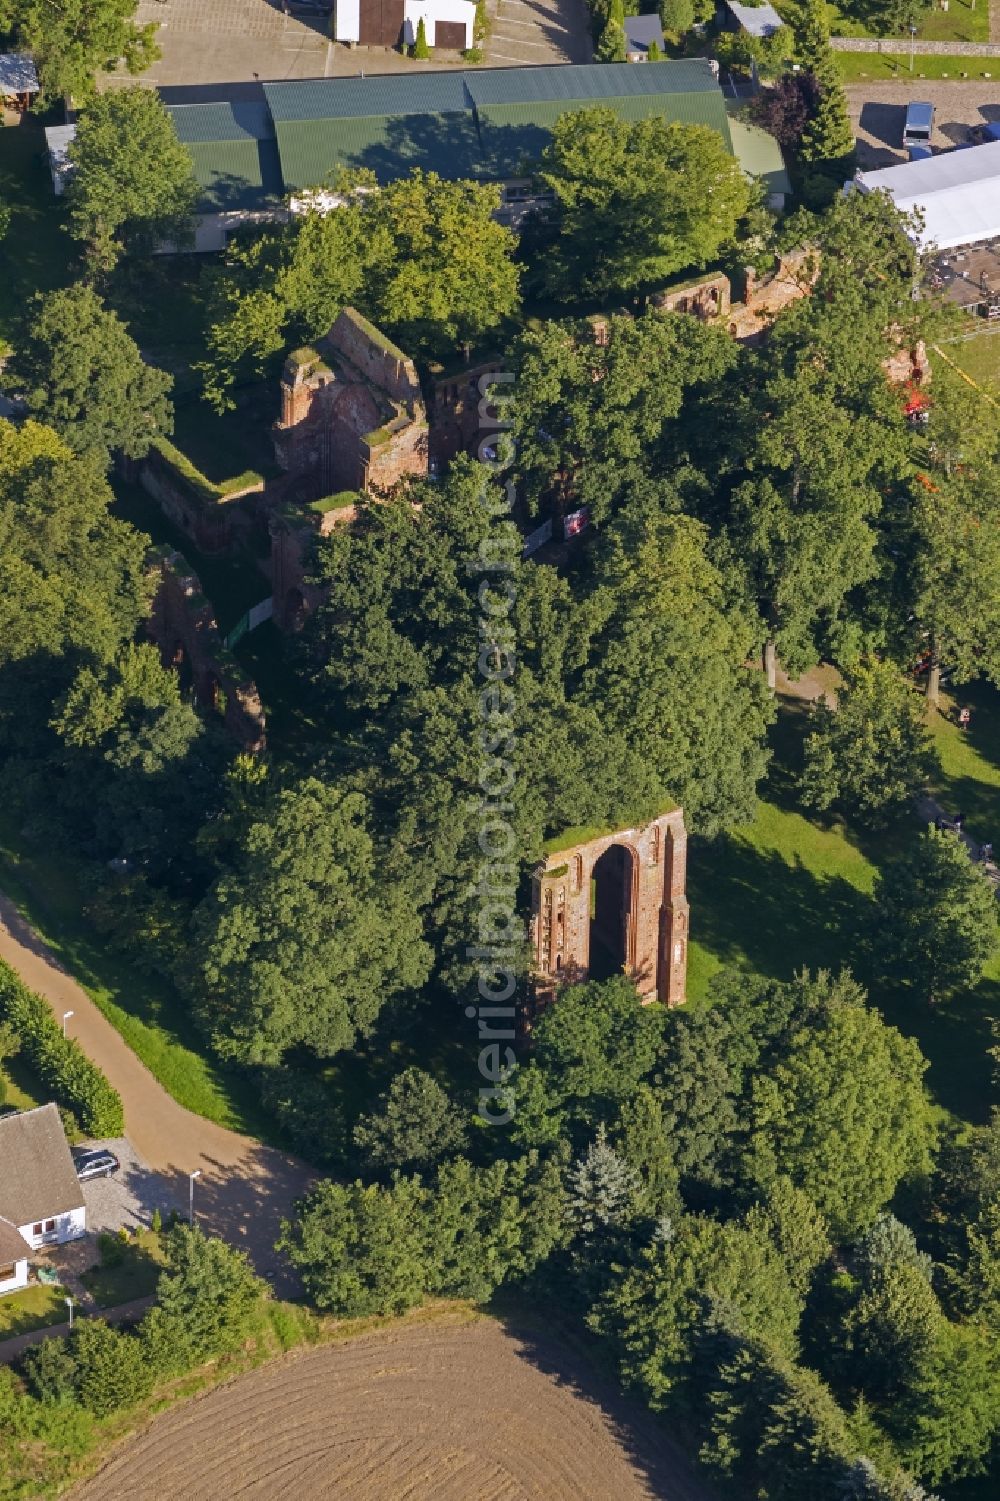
60, 1062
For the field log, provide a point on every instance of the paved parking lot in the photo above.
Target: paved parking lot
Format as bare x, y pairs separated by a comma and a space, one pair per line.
130, 1197
239, 41
525, 32
878, 111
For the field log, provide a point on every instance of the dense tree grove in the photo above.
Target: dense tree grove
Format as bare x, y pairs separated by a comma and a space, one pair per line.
753, 1202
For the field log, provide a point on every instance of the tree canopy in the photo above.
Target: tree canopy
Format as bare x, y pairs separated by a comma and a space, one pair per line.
80, 370
635, 201
132, 184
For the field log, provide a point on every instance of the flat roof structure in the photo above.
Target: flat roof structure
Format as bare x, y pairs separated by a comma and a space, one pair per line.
756, 20
957, 194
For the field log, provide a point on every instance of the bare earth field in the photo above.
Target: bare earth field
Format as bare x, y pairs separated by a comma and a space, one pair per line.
449, 1411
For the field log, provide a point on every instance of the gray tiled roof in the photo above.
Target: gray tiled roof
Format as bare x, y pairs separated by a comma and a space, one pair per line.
13, 1246
37, 1177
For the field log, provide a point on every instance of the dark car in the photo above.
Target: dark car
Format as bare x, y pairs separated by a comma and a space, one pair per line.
91, 1163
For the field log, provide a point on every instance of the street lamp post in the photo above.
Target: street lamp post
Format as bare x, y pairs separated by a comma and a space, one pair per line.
66, 1017
913, 33
191, 1178
69, 1305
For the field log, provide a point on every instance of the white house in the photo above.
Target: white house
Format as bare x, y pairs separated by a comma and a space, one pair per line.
41, 1201
13, 1258
447, 23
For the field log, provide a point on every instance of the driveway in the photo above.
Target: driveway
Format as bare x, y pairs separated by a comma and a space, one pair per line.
878, 110
211, 42
130, 1196
245, 1188
528, 32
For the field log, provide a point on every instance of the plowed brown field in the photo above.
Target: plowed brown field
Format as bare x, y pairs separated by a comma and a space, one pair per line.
442, 1412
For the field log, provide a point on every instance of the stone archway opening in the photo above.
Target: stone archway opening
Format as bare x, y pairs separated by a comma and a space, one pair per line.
610, 910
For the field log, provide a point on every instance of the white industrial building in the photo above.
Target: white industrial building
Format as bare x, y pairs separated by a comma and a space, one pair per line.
957, 195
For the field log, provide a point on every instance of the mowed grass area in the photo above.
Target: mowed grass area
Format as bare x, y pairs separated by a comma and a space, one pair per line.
961, 22
135, 1275
791, 892
36, 253
35, 1308
52, 892
885, 67
978, 357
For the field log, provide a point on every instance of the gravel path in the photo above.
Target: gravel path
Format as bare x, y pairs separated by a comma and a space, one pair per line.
425, 1412
245, 1188
878, 110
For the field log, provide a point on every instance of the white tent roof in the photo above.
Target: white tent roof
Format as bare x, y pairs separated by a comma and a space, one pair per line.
958, 194
17, 74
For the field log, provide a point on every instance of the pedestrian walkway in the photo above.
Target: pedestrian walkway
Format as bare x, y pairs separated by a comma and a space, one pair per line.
244, 1189
125, 1313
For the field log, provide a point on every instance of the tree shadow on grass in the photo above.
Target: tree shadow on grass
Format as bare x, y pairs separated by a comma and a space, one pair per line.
756, 909
955, 1035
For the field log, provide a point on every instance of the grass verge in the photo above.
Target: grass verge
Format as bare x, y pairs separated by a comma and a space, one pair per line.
790, 892
887, 67
51, 893
36, 1308
133, 1275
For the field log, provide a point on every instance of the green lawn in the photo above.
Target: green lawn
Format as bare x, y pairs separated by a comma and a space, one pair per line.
36, 255
882, 67
135, 1276
979, 357
35, 1308
51, 891
223, 446
21, 1086
790, 892
961, 22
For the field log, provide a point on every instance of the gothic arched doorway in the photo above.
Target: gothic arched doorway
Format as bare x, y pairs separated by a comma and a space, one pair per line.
610, 913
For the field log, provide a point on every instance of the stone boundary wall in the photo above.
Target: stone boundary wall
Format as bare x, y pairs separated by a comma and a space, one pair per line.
902, 44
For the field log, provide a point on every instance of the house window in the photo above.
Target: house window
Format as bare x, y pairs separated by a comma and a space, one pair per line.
37, 1229
8, 1273
49, 1227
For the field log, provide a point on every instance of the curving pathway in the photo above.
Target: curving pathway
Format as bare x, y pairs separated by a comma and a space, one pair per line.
245, 1187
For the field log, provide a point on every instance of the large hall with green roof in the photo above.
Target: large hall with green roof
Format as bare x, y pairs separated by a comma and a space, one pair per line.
485, 124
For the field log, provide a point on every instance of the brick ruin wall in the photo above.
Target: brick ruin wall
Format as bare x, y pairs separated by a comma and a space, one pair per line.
182, 624
653, 908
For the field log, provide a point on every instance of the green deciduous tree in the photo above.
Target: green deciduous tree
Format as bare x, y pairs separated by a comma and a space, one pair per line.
76, 39
72, 579
668, 668
299, 943
848, 1090
635, 201
424, 258
133, 183
935, 924
873, 752
414, 1126
81, 371
111, 1370
206, 1297
591, 420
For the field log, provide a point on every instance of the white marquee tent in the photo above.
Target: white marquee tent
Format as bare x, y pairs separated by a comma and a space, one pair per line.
957, 193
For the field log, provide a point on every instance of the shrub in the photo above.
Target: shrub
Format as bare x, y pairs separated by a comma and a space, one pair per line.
420, 47
112, 1371
59, 1061
111, 1248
